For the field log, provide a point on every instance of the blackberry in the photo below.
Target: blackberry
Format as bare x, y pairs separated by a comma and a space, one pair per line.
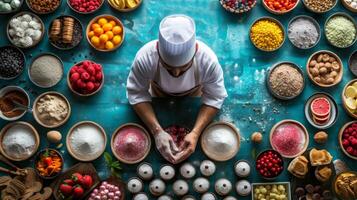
12, 62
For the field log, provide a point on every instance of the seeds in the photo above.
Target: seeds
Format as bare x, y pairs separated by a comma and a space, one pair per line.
320, 5
12, 62
46, 70
267, 35
340, 31
44, 6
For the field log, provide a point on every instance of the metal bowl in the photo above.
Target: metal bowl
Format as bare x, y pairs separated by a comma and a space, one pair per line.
273, 20
14, 11
334, 111
32, 15
314, 11
269, 72
24, 60
43, 13
85, 13
38, 56
279, 12
313, 21
348, 17
7, 89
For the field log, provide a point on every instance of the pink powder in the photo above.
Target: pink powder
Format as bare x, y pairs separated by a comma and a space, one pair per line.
288, 139
131, 143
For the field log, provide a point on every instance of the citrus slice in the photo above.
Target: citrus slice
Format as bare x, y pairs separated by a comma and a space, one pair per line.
354, 84
131, 3
320, 107
120, 4
351, 103
351, 92
321, 121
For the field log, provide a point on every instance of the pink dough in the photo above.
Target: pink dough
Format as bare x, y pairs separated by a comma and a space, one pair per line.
288, 139
131, 143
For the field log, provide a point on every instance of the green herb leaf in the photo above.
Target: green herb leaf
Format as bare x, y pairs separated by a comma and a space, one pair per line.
108, 158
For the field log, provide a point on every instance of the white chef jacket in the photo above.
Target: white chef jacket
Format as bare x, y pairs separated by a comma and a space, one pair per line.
145, 65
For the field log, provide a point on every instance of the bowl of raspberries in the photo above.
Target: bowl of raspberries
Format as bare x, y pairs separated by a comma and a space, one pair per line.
85, 6
85, 78
348, 139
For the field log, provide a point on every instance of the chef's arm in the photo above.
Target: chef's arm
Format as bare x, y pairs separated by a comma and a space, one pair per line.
205, 116
147, 115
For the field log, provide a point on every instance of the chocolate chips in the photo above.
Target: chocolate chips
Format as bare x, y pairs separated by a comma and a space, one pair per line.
12, 62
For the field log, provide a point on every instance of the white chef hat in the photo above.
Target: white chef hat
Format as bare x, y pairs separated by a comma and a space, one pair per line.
177, 40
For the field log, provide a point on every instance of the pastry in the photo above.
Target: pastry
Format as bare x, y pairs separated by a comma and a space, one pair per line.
242, 168
345, 186
299, 167
320, 157
157, 187
223, 187
243, 188
180, 187
201, 185
187, 170
323, 174
207, 168
145, 171
167, 172
135, 185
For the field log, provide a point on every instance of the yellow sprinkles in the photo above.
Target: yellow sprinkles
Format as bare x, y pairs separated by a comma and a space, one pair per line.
267, 35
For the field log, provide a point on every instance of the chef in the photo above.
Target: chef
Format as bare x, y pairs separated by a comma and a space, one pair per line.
176, 65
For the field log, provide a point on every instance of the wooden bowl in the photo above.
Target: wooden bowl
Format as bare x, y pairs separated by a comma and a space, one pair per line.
70, 148
8, 89
32, 15
317, 12
13, 11
76, 20
23, 58
85, 13
348, 7
116, 133
273, 20
349, 112
38, 56
127, 9
294, 122
269, 72
77, 93
109, 17
340, 139
83, 168
343, 14
35, 114
339, 76
6, 128
204, 146
37, 158
279, 12
43, 13
317, 25
237, 11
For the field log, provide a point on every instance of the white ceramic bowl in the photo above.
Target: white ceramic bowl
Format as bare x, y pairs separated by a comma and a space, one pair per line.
7, 89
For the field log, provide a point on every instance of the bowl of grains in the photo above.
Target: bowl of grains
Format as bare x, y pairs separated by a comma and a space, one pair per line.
285, 80
65, 32
86, 6
8, 95
352, 63
238, 6
319, 6
341, 30
304, 32
51, 109
351, 5
280, 7
25, 30
12, 62
19, 141
267, 34
324, 68
10, 6
43, 6
46, 70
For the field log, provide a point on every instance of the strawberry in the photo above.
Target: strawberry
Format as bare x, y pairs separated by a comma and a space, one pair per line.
77, 178
85, 76
74, 77
91, 70
99, 76
90, 86
65, 189
69, 182
87, 181
78, 192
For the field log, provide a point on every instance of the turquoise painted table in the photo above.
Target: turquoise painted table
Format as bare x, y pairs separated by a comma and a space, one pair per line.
249, 105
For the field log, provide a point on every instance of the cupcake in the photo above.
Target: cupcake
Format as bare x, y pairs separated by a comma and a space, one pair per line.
187, 170
243, 188
242, 168
223, 187
145, 171
207, 168
135, 185
201, 185
180, 187
167, 172
157, 187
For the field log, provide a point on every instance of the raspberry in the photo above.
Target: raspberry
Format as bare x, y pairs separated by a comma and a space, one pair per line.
349, 150
81, 70
86, 64
73, 70
96, 86
85, 76
80, 83
75, 76
98, 67
91, 70
90, 86
99, 76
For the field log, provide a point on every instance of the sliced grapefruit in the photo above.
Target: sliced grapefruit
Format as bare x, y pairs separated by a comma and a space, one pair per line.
320, 107
351, 91
321, 120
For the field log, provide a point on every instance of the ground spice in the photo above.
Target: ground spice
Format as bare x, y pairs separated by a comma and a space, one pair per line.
52, 109
320, 5
46, 71
340, 31
303, 33
7, 105
267, 35
285, 80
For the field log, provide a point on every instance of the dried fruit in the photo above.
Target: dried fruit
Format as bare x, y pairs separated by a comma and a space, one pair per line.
257, 137
321, 137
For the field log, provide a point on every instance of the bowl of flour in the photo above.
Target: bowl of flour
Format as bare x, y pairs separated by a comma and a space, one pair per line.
19, 141
86, 141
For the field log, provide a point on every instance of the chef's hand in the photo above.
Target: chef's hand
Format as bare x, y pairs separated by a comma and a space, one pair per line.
166, 146
187, 147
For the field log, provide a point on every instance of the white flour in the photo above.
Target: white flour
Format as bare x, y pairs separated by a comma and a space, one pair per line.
87, 141
19, 142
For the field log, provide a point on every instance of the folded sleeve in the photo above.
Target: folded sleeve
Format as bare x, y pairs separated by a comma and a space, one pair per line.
138, 83
213, 89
